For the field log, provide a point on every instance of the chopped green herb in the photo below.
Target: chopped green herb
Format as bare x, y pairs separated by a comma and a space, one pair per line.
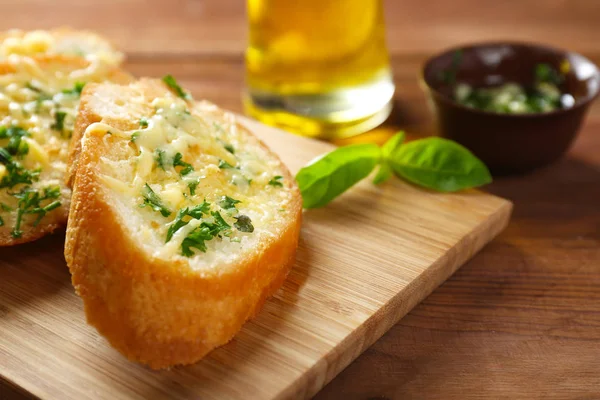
30, 202
7, 133
229, 148
228, 203
276, 181
134, 136
15, 172
195, 212
178, 162
76, 89
542, 95
225, 165
5, 207
178, 223
1, 221
546, 73
152, 200
172, 83
143, 122
235, 240
192, 186
161, 159
206, 231
195, 239
16, 146
59, 121
30, 86
244, 224
219, 225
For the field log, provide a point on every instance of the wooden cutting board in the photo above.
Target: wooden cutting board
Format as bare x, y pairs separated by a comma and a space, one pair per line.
363, 263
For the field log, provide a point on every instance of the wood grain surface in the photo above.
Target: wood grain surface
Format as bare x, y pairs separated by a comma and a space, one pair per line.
521, 320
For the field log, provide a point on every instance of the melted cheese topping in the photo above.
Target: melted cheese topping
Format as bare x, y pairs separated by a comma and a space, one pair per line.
40, 96
225, 162
64, 42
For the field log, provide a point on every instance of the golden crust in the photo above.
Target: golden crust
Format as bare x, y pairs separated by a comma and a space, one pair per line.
156, 312
57, 218
86, 117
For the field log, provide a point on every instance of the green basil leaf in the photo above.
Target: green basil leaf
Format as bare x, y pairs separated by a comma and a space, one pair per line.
391, 146
329, 176
439, 164
383, 174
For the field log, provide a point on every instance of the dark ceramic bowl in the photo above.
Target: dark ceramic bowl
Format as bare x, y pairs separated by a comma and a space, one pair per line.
510, 143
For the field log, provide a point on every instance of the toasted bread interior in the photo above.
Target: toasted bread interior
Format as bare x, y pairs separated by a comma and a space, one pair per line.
39, 95
185, 155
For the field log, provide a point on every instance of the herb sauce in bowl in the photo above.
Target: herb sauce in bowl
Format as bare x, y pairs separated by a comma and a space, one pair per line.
516, 106
543, 95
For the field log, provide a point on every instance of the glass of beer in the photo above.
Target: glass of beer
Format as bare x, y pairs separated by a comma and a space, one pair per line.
319, 68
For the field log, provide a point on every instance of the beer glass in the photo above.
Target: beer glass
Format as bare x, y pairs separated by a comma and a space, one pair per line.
319, 68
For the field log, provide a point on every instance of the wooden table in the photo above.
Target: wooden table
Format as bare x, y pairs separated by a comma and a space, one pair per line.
522, 319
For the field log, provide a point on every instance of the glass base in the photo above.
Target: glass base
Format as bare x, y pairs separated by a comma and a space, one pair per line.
339, 114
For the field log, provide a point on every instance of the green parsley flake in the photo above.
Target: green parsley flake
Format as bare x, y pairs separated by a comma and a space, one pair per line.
206, 231
192, 186
76, 89
276, 181
172, 83
178, 162
59, 121
227, 203
30, 203
152, 200
161, 159
134, 136
15, 173
225, 165
229, 148
185, 215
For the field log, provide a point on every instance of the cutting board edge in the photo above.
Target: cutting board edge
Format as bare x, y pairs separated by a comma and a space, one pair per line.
316, 378
14, 391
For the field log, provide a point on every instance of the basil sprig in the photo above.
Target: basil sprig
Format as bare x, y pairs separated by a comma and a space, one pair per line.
434, 163
389, 148
332, 174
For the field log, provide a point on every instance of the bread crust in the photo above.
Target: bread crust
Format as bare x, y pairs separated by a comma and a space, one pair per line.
156, 312
57, 218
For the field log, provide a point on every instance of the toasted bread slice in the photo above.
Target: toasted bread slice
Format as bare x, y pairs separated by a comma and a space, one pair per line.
182, 222
63, 41
38, 99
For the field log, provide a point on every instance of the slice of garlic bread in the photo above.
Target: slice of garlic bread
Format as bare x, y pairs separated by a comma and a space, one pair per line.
182, 222
38, 101
63, 41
